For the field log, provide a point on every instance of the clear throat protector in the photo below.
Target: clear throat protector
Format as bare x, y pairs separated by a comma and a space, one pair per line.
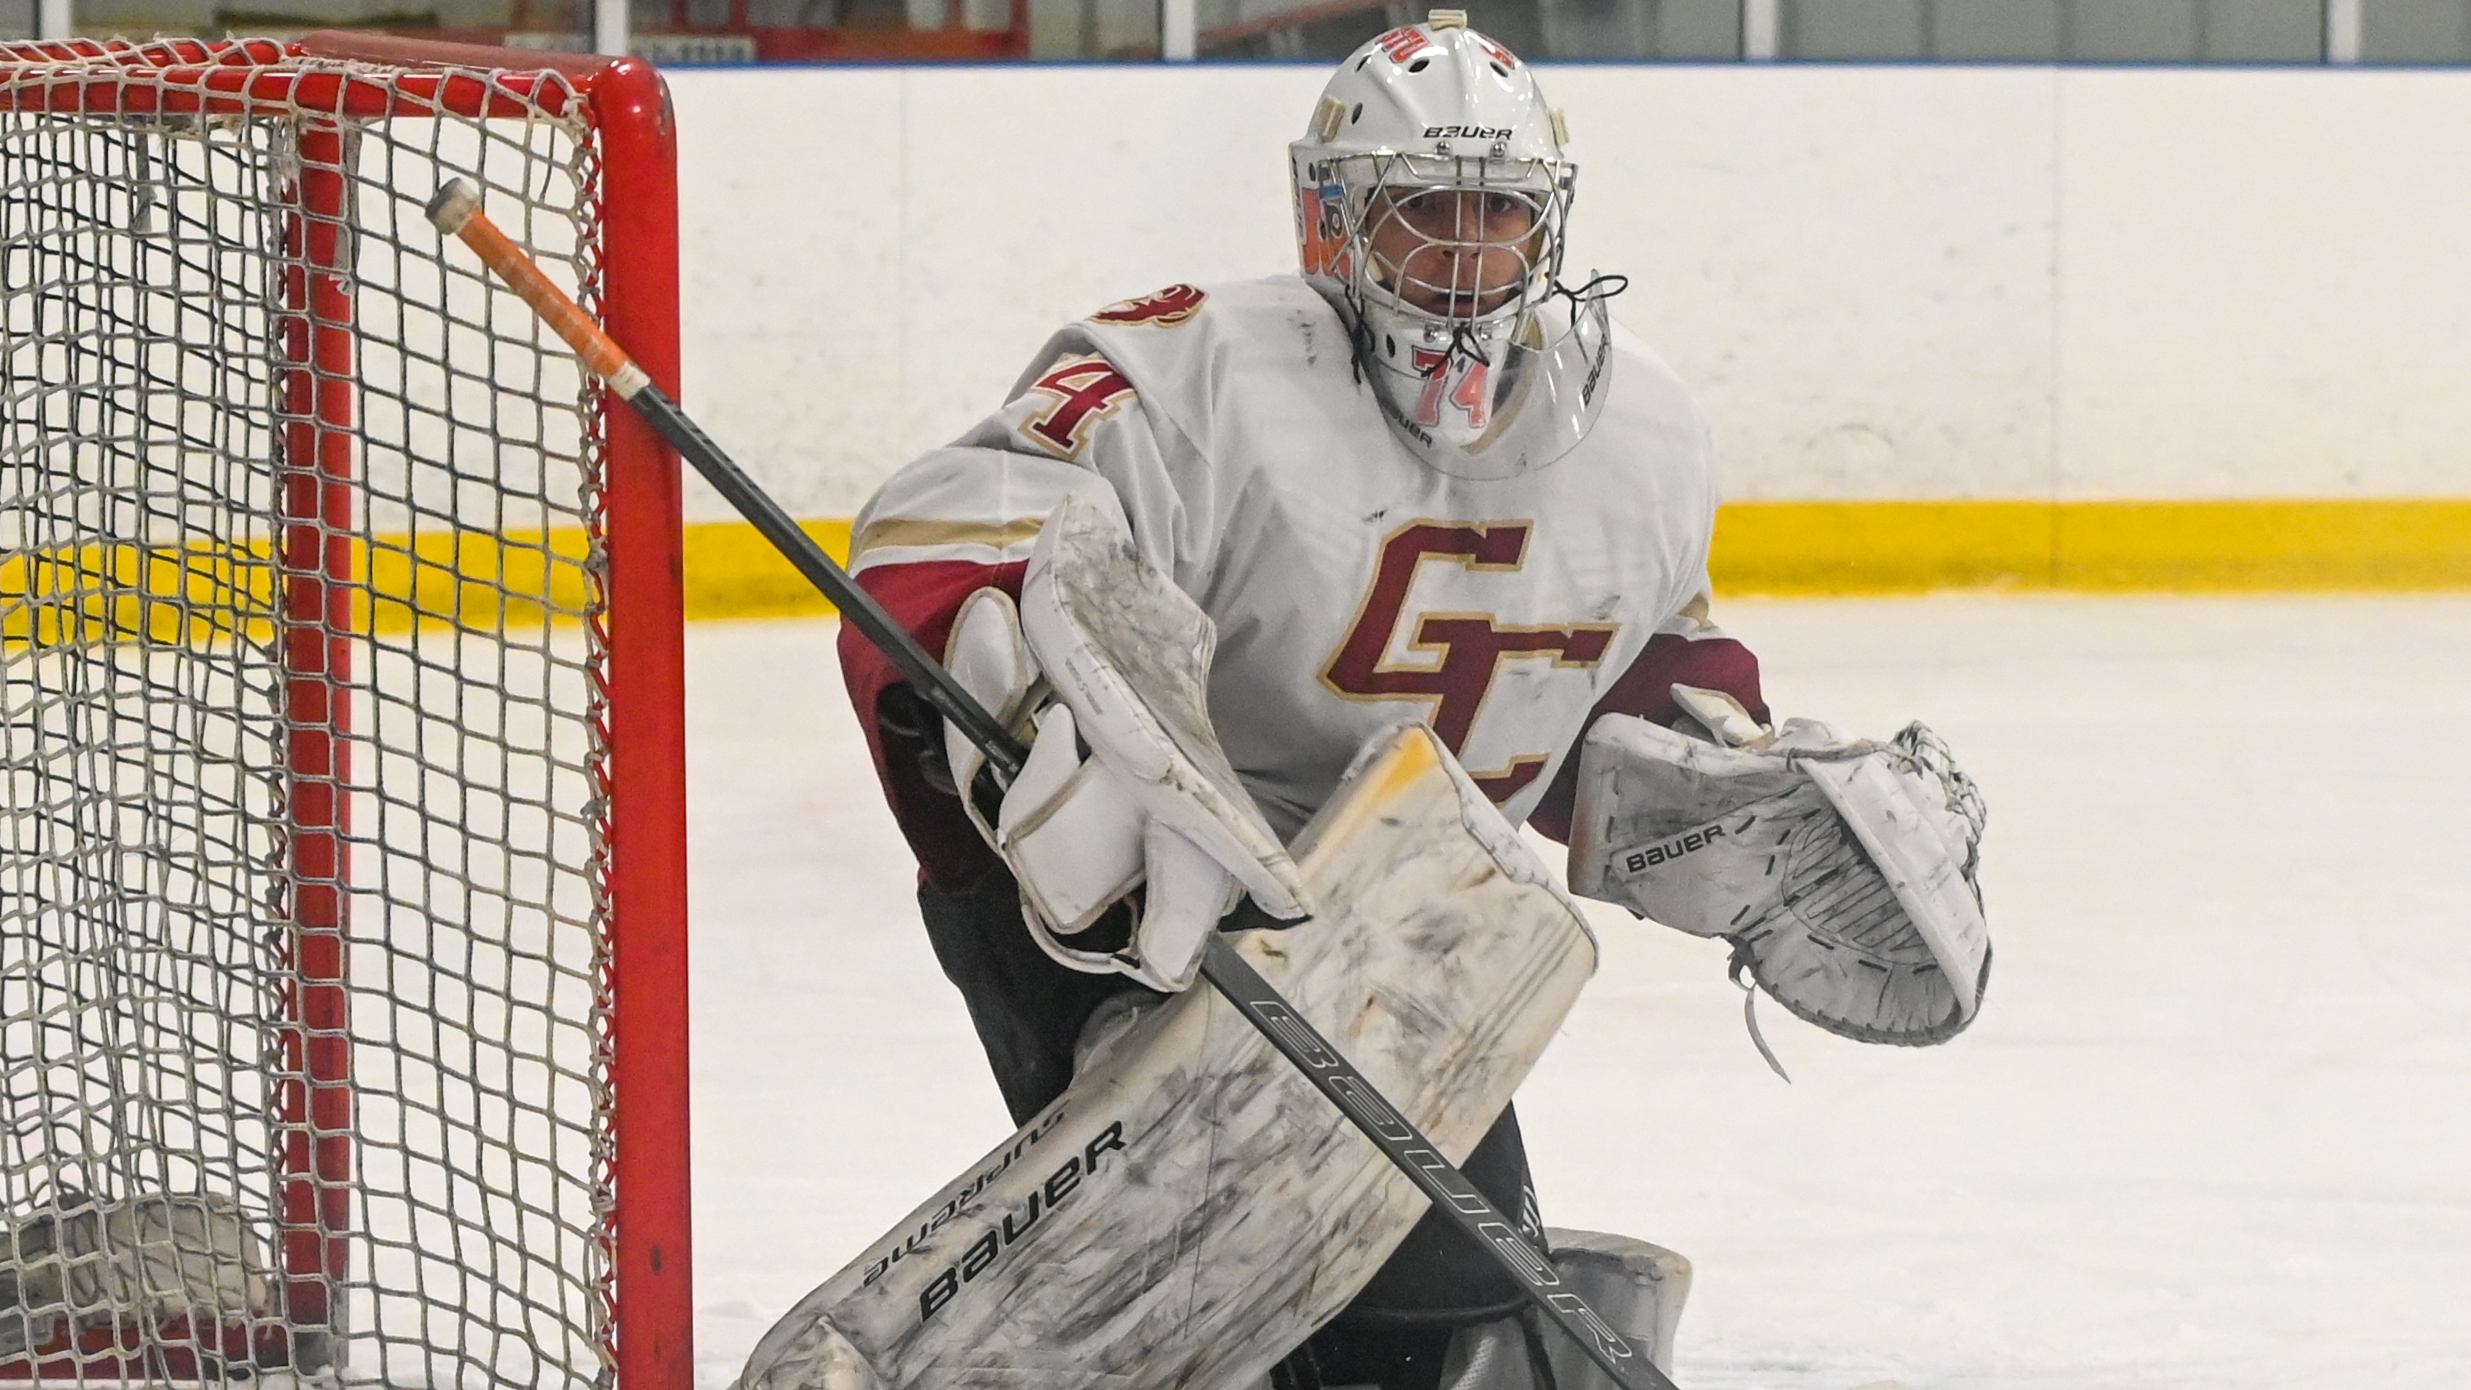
1489, 399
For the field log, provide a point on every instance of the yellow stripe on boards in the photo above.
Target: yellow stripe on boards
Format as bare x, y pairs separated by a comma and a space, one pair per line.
2397, 543
1879, 547
474, 580
733, 572
201, 593
1852, 548
1818, 548
75, 595
209, 592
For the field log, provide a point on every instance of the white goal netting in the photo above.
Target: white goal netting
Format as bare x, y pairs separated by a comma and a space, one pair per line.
304, 955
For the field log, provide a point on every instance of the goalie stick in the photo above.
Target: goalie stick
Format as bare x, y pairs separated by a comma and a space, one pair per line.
455, 211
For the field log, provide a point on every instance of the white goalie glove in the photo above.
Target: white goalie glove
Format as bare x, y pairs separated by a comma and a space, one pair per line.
1842, 869
1126, 787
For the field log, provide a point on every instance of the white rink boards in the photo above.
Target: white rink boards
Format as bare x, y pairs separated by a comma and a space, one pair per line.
2212, 1132
1940, 280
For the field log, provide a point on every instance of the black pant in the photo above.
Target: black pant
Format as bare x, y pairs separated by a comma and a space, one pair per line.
1029, 1011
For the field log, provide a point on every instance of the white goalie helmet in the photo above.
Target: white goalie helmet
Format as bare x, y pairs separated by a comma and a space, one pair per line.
1433, 190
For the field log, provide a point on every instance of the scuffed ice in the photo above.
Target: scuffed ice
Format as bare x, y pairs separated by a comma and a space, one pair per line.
2212, 1132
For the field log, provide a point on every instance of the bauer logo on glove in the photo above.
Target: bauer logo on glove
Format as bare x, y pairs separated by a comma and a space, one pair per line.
1842, 869
1675, 848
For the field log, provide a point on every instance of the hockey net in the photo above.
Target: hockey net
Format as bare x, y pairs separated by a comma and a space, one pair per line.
337, 681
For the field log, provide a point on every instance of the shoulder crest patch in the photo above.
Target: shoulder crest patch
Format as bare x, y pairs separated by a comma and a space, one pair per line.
1170, 306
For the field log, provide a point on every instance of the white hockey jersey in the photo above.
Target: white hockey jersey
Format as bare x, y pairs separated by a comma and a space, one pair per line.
1352, 585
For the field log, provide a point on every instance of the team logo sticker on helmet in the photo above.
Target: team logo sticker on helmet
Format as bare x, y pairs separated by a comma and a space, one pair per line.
1321, 215
1407, 42
1083, 390
1165, 309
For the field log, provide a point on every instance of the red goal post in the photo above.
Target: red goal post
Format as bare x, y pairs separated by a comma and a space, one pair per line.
342, 894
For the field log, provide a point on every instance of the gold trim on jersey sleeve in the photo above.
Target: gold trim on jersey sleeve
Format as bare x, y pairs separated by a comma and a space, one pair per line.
912, 532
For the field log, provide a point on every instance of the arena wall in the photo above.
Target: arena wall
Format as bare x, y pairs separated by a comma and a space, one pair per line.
2083, 327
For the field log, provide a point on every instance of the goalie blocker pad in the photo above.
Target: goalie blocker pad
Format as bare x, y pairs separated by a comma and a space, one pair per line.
1128, 655
1191, 1208
1842, 869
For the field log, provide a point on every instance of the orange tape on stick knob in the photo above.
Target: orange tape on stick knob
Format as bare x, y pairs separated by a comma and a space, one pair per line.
456, 211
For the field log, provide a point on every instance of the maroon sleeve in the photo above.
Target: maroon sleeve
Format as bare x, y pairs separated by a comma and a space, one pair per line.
1646, 690
905, 735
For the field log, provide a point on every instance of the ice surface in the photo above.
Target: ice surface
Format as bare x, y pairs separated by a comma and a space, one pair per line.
2212, 1132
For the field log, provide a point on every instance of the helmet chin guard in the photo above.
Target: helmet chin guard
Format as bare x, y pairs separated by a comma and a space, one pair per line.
1432, 195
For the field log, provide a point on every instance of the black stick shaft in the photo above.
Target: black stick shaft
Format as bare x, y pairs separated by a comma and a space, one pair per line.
921, 670
1406, 1147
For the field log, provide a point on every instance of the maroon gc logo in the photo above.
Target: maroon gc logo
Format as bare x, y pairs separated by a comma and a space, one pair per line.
1461, 651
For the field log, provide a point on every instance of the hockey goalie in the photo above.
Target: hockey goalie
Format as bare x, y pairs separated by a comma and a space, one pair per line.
1308, 591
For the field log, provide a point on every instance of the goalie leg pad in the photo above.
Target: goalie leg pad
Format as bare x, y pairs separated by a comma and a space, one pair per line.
1636, 1287
1143, 1230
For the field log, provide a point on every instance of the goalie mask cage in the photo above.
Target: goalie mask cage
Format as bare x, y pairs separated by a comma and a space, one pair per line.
342, 959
